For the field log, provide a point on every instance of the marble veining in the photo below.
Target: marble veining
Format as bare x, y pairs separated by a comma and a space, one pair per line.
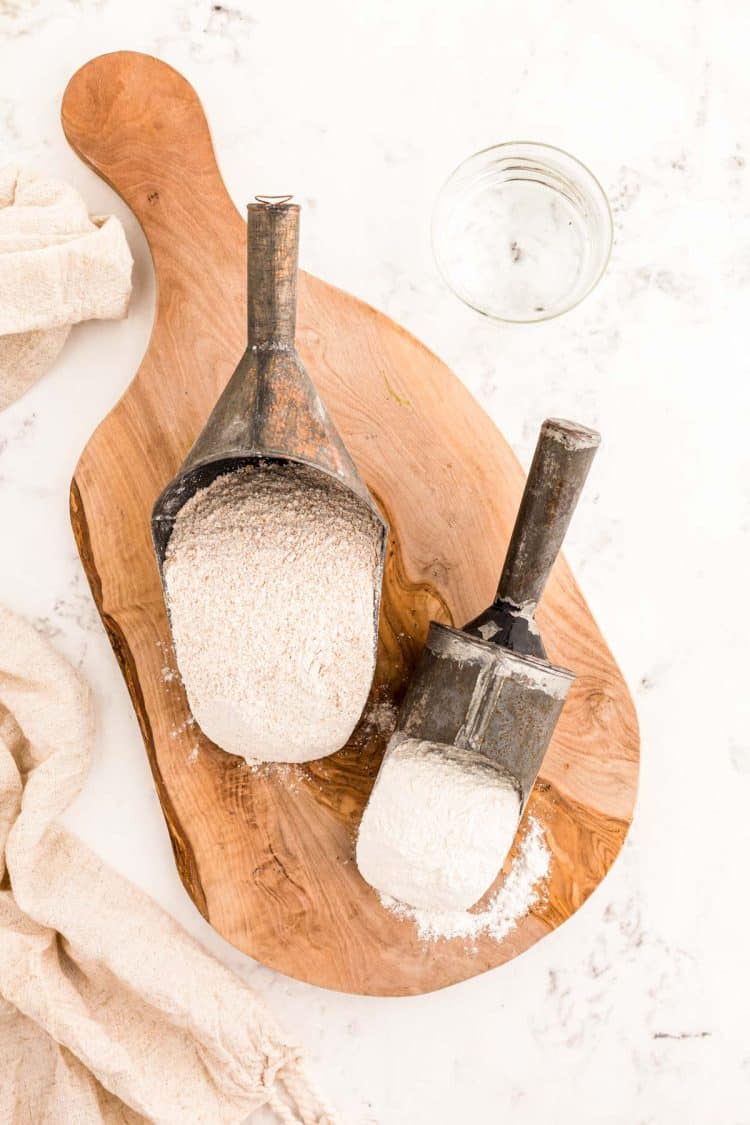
213, 31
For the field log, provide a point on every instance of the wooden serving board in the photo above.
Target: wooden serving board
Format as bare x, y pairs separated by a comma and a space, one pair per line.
267, 855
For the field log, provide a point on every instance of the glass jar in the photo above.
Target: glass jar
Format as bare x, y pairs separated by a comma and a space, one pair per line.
521, 231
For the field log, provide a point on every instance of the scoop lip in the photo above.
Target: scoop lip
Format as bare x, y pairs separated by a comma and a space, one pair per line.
203, 473
447, 640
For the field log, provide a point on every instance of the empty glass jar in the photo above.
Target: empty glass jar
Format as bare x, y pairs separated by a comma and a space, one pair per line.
521, 231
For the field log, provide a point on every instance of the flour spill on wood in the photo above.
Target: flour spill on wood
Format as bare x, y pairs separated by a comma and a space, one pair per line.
380, 718
183, 727
289, 776
270, 577
378, 721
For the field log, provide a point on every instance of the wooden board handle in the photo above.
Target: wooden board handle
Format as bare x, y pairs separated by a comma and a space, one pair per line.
140, 125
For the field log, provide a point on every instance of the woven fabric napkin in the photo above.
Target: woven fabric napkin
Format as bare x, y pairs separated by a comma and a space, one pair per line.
58, 266
109, 1011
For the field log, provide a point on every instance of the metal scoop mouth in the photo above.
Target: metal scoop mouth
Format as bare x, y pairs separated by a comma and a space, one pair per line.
482, 698
269, 410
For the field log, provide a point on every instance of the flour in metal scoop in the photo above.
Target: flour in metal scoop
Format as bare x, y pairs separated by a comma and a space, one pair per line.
270, 576
521, 889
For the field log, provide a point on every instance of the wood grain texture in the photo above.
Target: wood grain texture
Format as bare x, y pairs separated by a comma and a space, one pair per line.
267, 855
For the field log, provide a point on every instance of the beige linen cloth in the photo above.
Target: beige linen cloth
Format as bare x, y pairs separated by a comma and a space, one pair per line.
58, 266
109, 1011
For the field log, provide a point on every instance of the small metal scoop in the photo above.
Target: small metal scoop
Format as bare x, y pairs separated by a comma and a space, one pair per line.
269, 410
489, 687
483, 700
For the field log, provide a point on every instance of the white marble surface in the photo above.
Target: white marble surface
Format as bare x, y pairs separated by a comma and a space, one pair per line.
633, 1012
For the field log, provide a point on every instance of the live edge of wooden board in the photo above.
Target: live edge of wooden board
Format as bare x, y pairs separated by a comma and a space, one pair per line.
267, 855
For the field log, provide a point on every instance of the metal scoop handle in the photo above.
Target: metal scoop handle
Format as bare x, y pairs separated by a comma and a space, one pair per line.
272, 253
562, 459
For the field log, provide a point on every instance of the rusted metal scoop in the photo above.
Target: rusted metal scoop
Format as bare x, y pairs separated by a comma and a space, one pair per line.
478, 715
269, 410
489, 687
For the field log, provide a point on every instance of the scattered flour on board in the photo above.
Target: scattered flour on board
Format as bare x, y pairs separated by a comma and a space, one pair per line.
378, 721
380, 718
183, 727
289, 775
520, 890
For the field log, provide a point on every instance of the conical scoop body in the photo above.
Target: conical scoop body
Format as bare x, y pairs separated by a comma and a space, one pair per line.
269, 410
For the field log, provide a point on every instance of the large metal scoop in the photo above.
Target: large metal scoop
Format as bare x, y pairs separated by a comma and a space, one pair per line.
485, 696
269, 410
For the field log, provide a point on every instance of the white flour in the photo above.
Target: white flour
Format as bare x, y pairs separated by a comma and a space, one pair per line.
438, 825
270, 577
520, 890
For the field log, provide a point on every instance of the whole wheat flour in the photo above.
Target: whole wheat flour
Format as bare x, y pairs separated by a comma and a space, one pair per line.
270, 577
438, 825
